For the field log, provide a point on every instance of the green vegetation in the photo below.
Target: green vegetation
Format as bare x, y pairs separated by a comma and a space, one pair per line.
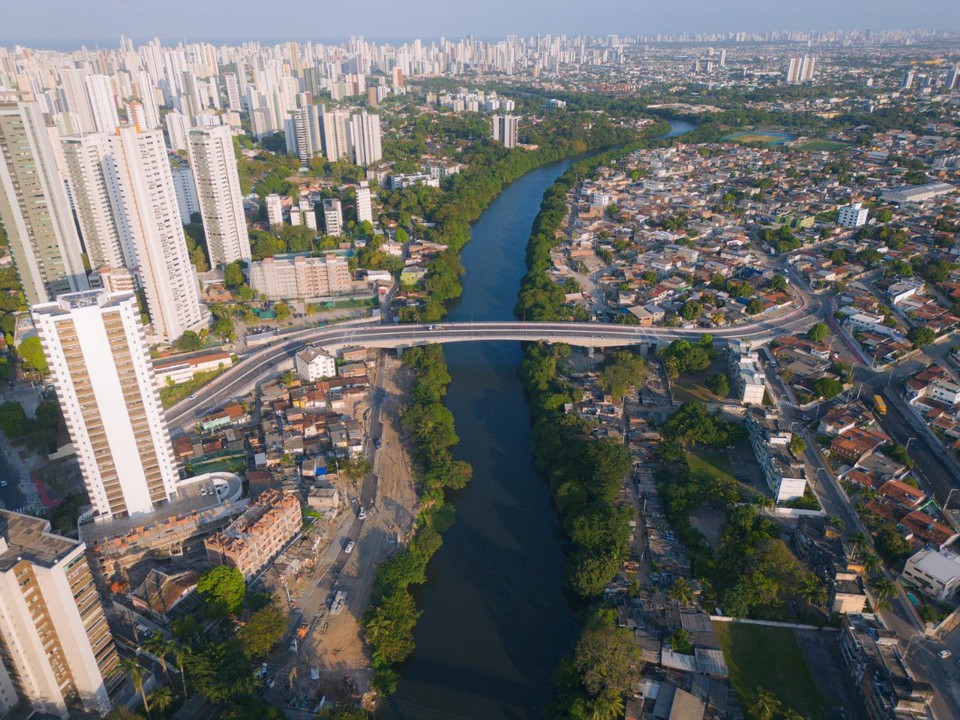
920, 336
223, 590
389, 621
719, 385
682, 356
818, 332
31, 355
262, 632
770, 659
822, 146
188, 342
827, 388
172, 394
621, 370
38, 433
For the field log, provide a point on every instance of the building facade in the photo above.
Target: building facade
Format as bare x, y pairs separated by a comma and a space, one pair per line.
333, 217
315, 364
364, 206
100, 365
56, 650
301, 277
218, 192
505, 129
34, 207
365, 138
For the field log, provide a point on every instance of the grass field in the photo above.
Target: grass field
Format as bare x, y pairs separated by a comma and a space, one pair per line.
768, 657
711, 463
172, 394
822, 146
770, 138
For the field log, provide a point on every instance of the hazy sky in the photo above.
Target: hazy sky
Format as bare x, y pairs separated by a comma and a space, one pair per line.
103, 21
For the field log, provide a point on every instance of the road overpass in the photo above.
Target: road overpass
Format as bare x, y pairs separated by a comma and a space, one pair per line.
264, 361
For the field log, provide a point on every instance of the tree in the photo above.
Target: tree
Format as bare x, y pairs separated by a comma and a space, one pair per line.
180, 653
681, 591
885, 589
827, 388
223, 327
691, 310
222, 589
719, 385
31, 353
233, 275
389, 628
765, 705
161, 699
818, 332
920, 336
797, 444
885, 215
13, 419
220, 672
265, 628
680, 641
131, 668
755, 306
621, 371
282, 311
188, 342
158, 646
606, 657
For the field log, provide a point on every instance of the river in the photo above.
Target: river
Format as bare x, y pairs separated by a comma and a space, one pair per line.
495, 619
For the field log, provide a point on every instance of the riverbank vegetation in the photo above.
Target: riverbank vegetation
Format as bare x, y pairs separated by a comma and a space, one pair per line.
392, 615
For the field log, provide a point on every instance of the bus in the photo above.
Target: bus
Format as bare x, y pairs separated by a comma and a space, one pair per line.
879, 405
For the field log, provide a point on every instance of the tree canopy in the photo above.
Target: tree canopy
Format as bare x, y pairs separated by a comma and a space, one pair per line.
223, 590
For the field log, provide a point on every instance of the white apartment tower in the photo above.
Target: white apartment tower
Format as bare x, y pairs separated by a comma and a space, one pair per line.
365, 138
336, 141
505, 129
218, 191
55, 645
304, 138
102, 104
136, 115
333, 217
800, 69
147, 230
75, 97
852, 216
186, 190
34, 207
274, 210
233, 92
364, 208
100, 366
178, 125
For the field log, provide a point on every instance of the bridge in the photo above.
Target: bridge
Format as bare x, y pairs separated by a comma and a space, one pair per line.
594, 335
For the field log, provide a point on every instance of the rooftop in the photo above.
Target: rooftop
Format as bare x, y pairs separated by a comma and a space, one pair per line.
29, 538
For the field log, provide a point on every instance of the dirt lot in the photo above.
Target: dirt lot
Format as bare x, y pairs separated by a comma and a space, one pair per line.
336, 643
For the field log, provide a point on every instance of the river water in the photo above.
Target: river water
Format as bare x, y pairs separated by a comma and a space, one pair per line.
495, 619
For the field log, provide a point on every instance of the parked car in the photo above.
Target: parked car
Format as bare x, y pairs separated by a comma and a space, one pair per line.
945, 654
349, 548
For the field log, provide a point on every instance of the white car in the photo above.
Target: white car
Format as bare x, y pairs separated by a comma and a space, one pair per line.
349, 548
944, 654
3, 483
362, 515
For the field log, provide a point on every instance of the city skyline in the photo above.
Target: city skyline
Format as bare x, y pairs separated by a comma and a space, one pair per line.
179, 20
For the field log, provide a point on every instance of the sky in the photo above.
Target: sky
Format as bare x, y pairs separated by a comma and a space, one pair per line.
65, 23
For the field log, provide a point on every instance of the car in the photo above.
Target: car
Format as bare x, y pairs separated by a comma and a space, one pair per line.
349, 548
806, 418
3, 483
193, 396
362, 515
203, 491
944, 654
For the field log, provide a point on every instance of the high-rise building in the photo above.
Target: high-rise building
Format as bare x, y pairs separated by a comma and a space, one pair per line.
102, 104
274, 211
34, 207
136, 115
100, 366
57, 649
218, 190
178, 125
852, 216
75, 97
308, 212
148, 98
233, 91
186, 189
800, 70
365, 138
303, 134
336, 140
505, 129
333, 217
907, 81
135, 172
364, 208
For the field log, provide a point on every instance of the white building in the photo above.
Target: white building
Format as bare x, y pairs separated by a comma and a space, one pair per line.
336, 140
218, 190
365, 138
57, 646
784, 474
274, 211
364, 207
916, 193
76, 98
178, 125
136, 115
281, 278
233, 91
308, 213
333, 217
100, 366
315, 364
303, 134
505, 129
102, 104
852, 216
801, 69
749, 382
34, 208
186, 189
128, 175
935, 572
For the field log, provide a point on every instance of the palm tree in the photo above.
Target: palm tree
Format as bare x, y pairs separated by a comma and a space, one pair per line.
884, 588
180, 652
871, 562
791, 714
681, 591
860, 542
765, 705
132, 669
606, 706
158, 646
161, 698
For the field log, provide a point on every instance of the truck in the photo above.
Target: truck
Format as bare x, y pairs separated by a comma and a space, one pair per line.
879, 405
302, 630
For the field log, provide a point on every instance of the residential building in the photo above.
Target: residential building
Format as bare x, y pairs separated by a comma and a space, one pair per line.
57, 650
303, 133
800, 69
364, 208
336, 140
315, 364
136, 115
785, 476
218, 191
749, 382
364, 134
127, 175
936, 573
233, 91
505, 129
274, 211
100, 365
178, 125
852, 216
76, 98
252, 541
186, 188
301, 277
182, 368
333, 217
34, 208
102, 104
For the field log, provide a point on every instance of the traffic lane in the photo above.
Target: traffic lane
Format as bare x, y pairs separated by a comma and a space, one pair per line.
941, 674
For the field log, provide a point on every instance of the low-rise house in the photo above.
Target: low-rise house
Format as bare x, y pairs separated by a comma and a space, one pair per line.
936, 573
